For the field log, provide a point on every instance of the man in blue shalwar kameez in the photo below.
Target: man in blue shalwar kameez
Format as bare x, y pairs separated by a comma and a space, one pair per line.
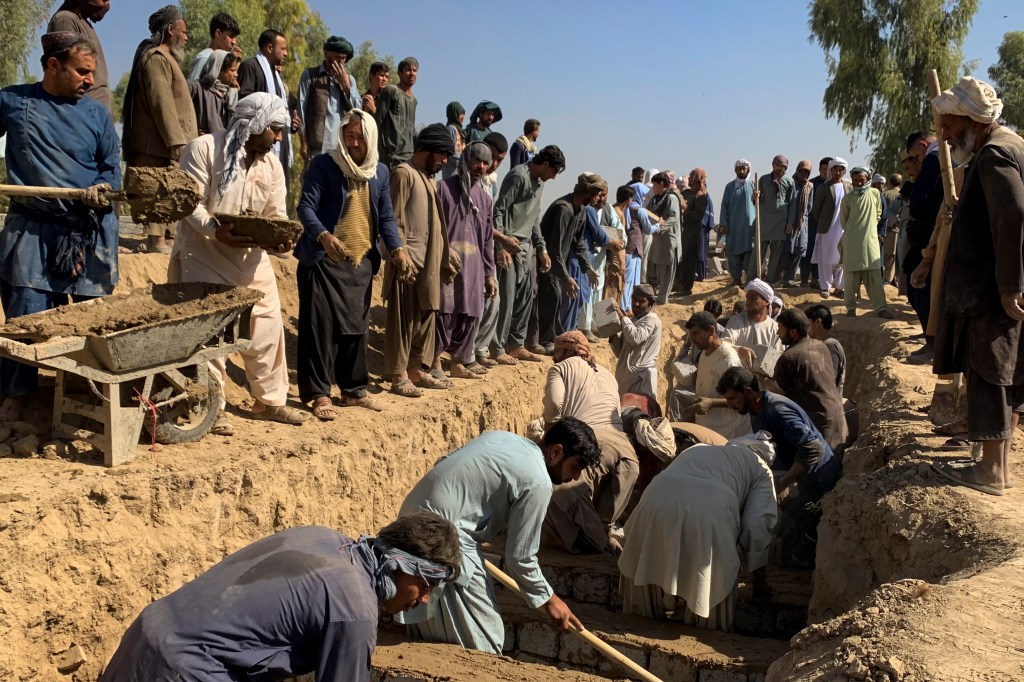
737, 223
53, 249
497, 482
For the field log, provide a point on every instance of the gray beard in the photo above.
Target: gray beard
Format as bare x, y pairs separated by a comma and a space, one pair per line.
963, 150
178, 52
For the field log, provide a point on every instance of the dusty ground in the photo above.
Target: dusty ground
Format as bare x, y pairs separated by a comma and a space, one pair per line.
85, 548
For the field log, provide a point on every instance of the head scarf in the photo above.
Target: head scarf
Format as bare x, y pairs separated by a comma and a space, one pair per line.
576, 343
777, 181
252, 116
759, 443
972, 98
452, 113
877, 178
209, 76
776, 301
837, 161
780, 158
645, 290
738, 181
485, 106
761, 288
698, 181
588, 183
657, 436
866, 186
649, 176
384, 561
365, 171
477, 151
435, 138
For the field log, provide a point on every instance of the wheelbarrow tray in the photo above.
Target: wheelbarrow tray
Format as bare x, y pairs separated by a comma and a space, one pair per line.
157, 325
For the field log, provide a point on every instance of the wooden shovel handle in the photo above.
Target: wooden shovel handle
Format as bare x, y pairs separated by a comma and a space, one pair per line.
589, 637
51, 192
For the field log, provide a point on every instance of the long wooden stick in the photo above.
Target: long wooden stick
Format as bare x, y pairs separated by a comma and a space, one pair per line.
589, 637
757, 227
945, 157
52, 192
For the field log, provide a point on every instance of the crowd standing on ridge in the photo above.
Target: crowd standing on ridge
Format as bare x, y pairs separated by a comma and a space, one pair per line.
484, 272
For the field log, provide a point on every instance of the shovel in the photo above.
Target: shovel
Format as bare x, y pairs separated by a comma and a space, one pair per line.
155, 195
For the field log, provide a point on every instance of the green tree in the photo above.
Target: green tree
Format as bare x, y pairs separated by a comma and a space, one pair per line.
117, 96
1008, 76
251, 18
21, 21
879, 54
363, 59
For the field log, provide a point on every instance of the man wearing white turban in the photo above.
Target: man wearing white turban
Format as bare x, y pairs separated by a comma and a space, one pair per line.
754, 326
979, 331
237, 174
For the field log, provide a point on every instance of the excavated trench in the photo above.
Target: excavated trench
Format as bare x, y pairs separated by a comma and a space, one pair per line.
85, 548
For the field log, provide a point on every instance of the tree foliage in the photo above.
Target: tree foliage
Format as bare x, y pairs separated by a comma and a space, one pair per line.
117, 95
21, 22
1008, 76
879, 54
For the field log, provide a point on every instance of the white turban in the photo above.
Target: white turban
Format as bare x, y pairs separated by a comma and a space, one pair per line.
253, 115
972, 98
742, 162
837, 162
657, 436
760, 443
761, 288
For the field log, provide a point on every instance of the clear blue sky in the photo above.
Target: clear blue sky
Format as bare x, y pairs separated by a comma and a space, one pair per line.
615, 85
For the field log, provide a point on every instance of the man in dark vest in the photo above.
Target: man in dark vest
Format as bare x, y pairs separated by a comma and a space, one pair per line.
326, 93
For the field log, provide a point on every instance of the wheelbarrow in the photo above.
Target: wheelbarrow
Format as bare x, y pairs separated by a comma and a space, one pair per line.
129, 360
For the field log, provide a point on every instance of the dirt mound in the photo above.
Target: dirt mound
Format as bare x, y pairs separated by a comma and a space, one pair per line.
148, 305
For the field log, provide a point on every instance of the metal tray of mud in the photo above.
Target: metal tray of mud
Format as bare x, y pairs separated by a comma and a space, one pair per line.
156, 325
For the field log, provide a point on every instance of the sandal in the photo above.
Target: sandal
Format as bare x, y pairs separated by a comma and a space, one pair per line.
281, 414
366, 402
222, 426
967, 476
476, 368
527, 356
463, 372
405, 389
323, 409
434, 379
487, 362
506, 359
968, 462
955, 443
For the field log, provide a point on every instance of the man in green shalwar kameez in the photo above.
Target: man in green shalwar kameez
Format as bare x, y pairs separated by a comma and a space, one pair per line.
861, 250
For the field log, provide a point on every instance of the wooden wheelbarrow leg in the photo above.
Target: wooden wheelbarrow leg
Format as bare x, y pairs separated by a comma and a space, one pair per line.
121, 423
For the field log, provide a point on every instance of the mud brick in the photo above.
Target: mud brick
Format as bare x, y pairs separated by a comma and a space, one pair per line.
669, 666
591, 589
639, 655
685, 374
538, 639
560, 580
765, 359
606, 320
572, 649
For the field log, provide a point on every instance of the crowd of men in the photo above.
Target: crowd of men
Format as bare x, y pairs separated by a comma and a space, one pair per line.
482, 271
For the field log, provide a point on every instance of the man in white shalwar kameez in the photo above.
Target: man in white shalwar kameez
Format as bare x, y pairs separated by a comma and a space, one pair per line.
497, 482
827, 202
708, 515
236, 174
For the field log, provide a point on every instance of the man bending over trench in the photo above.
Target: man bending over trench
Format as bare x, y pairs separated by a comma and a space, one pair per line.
499, 481
305, 600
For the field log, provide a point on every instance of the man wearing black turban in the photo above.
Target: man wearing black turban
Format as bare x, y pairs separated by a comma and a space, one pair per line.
326, 93
412, 277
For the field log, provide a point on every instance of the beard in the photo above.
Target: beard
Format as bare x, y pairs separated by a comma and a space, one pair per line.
177, 49
963, 149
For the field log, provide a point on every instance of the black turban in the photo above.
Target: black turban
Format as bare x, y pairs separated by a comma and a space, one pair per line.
339, 45
435, 138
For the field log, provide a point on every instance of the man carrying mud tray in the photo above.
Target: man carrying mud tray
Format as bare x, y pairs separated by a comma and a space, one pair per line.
237, 175
51, 249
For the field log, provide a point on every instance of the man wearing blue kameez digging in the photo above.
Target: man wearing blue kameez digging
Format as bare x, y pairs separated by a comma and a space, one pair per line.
497, 482
52, 249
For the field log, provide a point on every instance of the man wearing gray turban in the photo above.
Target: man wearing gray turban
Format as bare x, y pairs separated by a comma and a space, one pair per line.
467, 210
159, 119
979, 328
326, 93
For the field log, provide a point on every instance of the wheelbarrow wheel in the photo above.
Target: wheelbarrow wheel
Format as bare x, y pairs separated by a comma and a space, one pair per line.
188, 403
